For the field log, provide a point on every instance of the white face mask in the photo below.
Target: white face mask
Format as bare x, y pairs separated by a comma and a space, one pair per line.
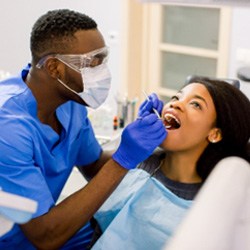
96, 85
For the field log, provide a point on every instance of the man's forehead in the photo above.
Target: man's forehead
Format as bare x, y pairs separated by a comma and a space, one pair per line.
86, 41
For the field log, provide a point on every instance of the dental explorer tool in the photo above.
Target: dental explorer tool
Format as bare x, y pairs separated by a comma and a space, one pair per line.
155, 111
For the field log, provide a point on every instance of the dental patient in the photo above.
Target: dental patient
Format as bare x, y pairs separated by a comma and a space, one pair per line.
206, 121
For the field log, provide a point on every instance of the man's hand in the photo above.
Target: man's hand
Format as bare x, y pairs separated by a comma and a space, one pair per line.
147, 106
139, 139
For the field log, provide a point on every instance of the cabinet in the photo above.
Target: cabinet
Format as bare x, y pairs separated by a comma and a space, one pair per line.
175, 42
191, 40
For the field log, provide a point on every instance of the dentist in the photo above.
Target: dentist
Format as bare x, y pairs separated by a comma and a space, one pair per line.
45, 132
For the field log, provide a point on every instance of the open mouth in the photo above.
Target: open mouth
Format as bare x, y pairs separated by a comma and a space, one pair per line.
171, 122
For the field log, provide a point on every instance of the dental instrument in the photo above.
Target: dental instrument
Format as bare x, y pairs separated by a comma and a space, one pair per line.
155, 111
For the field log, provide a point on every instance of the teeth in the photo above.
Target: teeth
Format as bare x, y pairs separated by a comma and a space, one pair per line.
168, 118
171, 121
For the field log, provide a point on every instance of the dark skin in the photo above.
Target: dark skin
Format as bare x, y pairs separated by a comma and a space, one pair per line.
55, 228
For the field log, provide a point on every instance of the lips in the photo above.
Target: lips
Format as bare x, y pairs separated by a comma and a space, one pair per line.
171, 121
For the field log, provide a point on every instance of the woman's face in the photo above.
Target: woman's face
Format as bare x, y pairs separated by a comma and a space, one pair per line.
189, 118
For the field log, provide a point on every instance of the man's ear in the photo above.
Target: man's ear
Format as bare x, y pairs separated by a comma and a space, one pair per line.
215, 135
52, 66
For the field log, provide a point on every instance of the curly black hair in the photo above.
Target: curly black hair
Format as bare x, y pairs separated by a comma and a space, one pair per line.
53, 30
233, 118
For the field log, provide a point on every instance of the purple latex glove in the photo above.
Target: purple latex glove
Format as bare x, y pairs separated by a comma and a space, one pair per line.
138, 141
147, 106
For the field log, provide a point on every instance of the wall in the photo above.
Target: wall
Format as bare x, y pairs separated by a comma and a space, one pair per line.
240, 39
18, 17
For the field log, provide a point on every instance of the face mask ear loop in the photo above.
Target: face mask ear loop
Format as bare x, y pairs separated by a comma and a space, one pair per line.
67, 86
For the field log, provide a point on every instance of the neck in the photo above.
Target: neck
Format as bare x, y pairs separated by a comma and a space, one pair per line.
181, 167
46, 97
44, 89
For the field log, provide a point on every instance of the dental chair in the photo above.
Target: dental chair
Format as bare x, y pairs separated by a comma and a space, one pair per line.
220, 216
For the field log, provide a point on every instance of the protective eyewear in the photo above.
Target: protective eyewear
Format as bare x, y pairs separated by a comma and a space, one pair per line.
80, 61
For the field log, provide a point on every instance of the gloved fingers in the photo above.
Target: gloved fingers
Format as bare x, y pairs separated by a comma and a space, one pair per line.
145, 108
152, 139
151, 123
153, 97
153, 130
157, 103
160, 135
141, 136
143, 104
159, 106
149, 120
157, 130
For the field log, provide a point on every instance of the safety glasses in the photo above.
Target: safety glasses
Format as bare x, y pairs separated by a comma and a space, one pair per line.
80, 61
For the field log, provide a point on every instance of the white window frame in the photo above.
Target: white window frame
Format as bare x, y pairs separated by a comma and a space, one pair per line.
141, 43
154, 14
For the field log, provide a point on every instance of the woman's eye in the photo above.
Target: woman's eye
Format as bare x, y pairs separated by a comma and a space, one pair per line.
196, 105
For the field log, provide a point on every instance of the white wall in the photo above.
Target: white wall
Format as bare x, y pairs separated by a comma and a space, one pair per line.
240, 39
18, 17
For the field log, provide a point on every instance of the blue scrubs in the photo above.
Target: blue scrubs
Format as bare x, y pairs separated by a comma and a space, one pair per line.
35, 162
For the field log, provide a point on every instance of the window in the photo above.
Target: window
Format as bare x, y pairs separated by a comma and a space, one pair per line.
175, 42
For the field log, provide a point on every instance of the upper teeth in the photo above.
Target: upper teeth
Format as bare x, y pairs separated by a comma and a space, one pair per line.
168, 118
